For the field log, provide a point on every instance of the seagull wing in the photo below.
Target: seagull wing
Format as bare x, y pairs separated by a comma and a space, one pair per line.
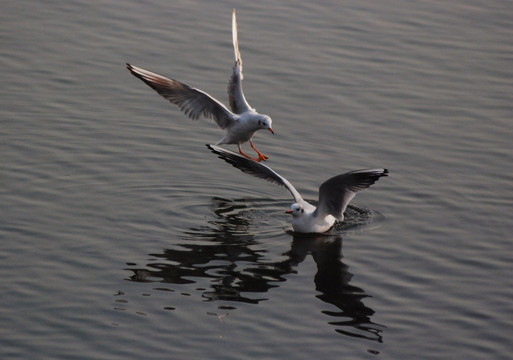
254, 168
336, 193
191, 101
238, 101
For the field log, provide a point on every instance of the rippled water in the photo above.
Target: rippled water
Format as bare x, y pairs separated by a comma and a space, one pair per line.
122, 236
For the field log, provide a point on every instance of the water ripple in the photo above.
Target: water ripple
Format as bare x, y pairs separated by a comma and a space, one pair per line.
227, 260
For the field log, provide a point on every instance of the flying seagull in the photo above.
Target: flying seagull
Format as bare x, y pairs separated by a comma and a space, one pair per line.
240, 124
334, 194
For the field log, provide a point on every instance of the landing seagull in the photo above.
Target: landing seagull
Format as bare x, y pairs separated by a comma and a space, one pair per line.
334, 194
240, 123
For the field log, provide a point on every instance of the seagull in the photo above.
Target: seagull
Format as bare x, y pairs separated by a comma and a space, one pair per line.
334, 194
240, 124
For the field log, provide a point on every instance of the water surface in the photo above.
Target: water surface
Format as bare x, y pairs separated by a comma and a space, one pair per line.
123, 237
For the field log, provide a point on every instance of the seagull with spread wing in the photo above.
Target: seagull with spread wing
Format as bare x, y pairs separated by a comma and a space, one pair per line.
240, 124
334, 194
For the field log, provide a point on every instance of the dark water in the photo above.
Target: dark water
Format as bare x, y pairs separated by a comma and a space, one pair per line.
122, 237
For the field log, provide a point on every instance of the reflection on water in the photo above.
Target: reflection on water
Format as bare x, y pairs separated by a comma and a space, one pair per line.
231, 265
332, 280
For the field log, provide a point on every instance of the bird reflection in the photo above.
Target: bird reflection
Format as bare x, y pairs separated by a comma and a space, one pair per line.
332, 280
225, 255
223, 251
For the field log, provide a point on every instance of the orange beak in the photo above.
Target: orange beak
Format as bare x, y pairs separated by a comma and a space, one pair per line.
271, 130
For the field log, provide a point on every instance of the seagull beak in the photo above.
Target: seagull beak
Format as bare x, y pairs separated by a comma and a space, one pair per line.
271, 130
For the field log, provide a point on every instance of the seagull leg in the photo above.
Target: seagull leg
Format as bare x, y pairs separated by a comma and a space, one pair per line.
246, 155
260, 155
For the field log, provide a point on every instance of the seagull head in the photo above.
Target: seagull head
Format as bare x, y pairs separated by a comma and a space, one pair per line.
296, 210
265, 122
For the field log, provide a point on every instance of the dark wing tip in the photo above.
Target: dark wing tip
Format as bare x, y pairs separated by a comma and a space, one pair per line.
243, 164
372, 177
230, 157
226, 155
379, 173
130, 68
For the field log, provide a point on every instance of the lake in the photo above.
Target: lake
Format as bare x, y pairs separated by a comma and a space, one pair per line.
123, 237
